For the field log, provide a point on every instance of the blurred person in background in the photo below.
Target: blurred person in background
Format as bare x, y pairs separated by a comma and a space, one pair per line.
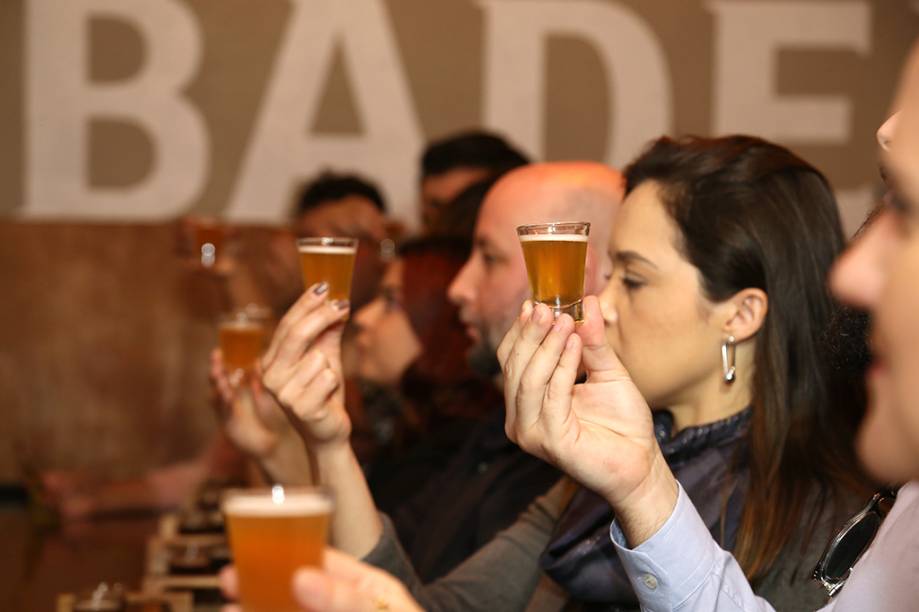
459, 217
332, 204
452, 163
342, 205
411, 345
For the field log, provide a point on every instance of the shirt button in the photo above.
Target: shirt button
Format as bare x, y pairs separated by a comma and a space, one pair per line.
650, 581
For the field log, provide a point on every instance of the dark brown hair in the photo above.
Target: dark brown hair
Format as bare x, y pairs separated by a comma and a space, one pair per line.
440, 377
753, 214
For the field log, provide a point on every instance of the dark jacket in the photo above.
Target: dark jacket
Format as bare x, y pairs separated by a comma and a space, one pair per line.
489, 483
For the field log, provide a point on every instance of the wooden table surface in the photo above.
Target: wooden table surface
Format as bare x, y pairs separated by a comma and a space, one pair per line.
36, 564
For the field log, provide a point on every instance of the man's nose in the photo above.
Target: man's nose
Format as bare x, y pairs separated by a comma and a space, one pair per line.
459, 290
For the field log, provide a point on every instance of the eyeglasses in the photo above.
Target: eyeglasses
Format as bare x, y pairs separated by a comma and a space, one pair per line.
844, 550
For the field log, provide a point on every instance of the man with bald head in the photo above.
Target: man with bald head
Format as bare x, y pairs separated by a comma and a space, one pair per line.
491, 481
493, 284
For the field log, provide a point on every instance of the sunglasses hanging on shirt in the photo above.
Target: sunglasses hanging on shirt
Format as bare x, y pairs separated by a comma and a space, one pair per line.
847, 547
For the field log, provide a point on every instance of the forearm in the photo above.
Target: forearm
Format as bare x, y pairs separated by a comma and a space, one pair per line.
161, 489
502, 575
681, 567
356, 525
289, 462
642, 512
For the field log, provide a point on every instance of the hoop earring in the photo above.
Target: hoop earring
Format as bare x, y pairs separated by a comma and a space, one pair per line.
728, 352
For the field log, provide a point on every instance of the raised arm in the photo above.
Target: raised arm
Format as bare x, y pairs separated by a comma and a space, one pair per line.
600, 433
302, 369
255, 424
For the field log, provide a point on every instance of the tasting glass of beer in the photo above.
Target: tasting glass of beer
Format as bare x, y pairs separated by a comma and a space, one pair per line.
243, 334
555, 255
330, 260
273, 532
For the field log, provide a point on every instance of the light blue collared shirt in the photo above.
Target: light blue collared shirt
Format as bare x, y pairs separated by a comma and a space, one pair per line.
682, 568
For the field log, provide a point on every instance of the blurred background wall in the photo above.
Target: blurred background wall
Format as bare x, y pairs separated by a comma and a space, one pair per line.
117, 115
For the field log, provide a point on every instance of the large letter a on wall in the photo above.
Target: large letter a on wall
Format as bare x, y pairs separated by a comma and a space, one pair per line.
282, 153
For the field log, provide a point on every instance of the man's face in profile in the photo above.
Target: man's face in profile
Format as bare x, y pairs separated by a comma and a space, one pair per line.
880, 273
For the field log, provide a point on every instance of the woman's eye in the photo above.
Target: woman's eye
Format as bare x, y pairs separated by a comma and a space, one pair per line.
631, 283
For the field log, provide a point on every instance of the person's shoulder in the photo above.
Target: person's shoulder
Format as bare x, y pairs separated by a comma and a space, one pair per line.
909, 493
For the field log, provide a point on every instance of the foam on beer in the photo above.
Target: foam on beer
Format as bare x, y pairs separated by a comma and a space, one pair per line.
241, 325
293, 504
553, 238
322, 249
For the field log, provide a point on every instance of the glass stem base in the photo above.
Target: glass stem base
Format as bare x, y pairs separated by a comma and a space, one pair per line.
575, 310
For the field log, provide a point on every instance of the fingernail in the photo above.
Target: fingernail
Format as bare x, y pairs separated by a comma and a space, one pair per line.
320, 288
341, 304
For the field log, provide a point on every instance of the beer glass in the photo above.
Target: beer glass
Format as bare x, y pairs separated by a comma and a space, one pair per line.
243, 335
555, 255
330, 260
273, 532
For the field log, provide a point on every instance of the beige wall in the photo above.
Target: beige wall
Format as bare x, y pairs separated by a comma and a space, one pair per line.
222, 106
280, 89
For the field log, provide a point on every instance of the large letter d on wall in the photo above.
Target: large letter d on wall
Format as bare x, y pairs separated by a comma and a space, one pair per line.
515, 40
61, 102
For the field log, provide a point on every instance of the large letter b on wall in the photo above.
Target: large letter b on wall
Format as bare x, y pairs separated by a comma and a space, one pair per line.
61, 102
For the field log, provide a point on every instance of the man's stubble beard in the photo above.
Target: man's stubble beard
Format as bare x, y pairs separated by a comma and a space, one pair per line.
483, 359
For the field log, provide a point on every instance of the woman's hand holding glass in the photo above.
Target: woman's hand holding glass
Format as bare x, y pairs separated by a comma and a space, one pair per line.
599, 432
302, 368
250, 417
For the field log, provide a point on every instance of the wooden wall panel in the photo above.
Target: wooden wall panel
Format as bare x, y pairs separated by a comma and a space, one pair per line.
103, 346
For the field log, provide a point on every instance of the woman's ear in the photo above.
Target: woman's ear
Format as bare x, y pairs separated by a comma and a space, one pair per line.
746, 312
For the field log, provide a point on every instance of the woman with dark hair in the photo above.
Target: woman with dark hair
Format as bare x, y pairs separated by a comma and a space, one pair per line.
748, 232
717, 309
411, 349
751, 217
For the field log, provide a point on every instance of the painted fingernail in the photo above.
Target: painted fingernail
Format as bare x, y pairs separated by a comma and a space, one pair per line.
320, 288
341, 304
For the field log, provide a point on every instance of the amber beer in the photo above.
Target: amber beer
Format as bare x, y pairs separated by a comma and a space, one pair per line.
243, 335
273, 533
555, 256
241, 343
330, 260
